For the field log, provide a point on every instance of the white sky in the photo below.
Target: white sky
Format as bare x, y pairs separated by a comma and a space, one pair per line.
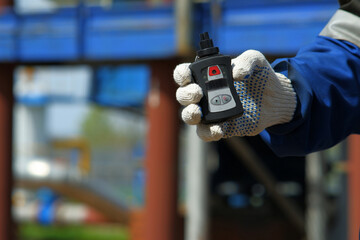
63, 120
70, 83
34, 5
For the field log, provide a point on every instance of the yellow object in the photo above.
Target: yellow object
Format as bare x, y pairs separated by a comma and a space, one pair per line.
84, 149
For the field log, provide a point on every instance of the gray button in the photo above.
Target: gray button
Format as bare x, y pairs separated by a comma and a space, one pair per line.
225, 98
216, 100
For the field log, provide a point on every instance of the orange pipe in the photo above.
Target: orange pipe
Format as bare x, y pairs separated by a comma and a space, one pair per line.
160, 215
354, 187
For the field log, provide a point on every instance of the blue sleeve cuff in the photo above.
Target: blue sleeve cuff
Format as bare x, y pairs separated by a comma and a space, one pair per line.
326, 78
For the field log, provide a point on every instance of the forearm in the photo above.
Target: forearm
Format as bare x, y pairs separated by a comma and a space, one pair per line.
326, 78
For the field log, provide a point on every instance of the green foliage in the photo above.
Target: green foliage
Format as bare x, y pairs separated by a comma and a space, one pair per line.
65, 2
31, 231
101, 133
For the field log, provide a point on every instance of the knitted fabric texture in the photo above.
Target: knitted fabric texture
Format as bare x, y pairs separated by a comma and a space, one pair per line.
268, 98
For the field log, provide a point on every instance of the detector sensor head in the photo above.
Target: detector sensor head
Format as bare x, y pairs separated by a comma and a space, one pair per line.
206, 46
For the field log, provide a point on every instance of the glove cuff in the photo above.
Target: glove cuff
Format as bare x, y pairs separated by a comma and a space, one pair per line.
281, 103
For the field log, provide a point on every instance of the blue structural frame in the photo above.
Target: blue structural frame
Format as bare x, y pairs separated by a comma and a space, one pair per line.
137, 31
121, 86
274, 29
266, 3
130, 33
8, 28
49, 36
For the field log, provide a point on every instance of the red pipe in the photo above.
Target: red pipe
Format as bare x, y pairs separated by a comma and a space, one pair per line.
6, 105
161, 216
354, 187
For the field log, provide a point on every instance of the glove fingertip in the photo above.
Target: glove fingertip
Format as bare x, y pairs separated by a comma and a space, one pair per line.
182, 74
191, 114
244, 64
189, 94
216, 132
209, 133
240, 69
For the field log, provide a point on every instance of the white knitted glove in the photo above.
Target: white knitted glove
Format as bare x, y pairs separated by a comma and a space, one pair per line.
268, 98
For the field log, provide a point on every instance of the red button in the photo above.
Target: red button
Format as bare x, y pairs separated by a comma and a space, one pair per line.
214, 70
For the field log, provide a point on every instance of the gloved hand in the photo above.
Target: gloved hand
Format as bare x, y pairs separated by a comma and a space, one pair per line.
268, 98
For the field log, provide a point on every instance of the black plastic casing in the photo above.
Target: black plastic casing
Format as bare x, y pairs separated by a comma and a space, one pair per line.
196, 69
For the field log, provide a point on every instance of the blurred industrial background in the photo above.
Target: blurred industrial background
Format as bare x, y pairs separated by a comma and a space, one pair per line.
91, 144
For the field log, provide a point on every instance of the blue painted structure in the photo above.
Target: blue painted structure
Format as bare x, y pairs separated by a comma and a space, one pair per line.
49, 36
8, 28
275, 29
122, 86
35, 101
135, 32
47, 206
267, 3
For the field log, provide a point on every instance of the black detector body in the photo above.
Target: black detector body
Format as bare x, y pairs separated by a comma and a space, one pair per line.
213, 72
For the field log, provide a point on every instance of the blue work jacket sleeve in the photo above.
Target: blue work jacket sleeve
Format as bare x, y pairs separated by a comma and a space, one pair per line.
326, 78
